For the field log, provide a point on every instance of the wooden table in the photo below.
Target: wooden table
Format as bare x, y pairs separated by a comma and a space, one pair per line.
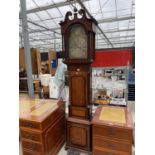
42, 126
112, 129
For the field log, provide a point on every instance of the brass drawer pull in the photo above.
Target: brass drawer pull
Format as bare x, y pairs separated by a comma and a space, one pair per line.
78, 69
111, 133
29, 124
111, 146
31, 146
28, 135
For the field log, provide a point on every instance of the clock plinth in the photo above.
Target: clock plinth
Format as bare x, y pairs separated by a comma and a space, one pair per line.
78, 134
79, 46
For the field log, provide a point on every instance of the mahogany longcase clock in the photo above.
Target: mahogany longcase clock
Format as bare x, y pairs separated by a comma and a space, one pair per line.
78, 35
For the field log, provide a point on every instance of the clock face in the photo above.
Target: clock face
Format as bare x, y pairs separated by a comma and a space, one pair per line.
77, 43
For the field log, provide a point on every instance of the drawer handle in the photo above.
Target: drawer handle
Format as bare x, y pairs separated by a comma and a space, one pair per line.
111, 134
111, 146
29, 125
28, 135
31, 146
78, 69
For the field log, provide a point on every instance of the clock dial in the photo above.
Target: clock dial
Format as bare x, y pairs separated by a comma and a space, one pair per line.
77, 43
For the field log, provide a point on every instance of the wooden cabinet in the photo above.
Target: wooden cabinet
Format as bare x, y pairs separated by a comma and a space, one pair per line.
111, 137
35, 60
42, 126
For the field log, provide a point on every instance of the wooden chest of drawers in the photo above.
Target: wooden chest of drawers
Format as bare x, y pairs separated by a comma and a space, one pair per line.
42, 126
109, 136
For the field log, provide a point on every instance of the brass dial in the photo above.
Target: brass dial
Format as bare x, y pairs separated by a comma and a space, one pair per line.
78, 43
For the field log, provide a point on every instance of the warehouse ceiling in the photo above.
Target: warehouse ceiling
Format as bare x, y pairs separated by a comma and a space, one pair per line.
116, 21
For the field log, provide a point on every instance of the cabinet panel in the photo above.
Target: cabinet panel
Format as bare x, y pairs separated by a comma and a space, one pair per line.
75, 138
78, 135
112, 132
78, 88
55, 135
79, 112
32, 146
111, 144
31, 135
29, 124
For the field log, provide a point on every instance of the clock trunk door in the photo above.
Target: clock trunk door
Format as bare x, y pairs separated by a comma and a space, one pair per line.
77, 43
78, 88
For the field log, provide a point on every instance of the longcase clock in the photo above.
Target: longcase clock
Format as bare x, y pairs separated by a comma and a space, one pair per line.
78, 36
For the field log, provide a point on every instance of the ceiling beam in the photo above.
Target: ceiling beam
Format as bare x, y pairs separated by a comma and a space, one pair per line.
115, 30
118, 37
49, 38
43, 40
83, 6
52, 29
109, 20
47, 29
51, 6
106, 20
127, 42
96, 39
109, 31
45, 44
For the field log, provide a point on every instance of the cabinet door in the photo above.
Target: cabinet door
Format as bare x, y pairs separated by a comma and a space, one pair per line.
78, 88
78, 135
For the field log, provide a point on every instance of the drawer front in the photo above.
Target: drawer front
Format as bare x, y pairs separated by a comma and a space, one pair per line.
112, 132
28, 124
78, 112
32, 146
102, 151
30, 135
112, 145
30, 153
